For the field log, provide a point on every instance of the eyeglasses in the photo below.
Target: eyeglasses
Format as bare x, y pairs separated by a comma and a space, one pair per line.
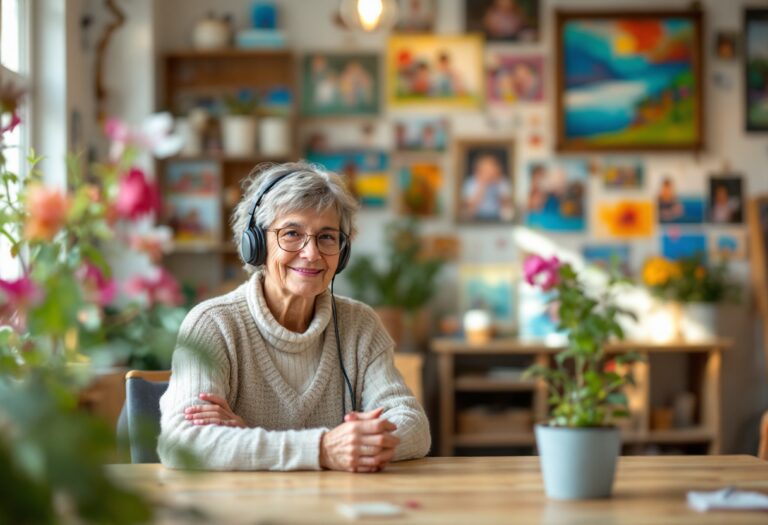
329, 242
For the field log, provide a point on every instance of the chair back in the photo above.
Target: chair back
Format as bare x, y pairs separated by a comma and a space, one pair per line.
139, 422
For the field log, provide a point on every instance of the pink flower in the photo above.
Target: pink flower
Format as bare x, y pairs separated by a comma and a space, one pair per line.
542, 272
98, 288
136, 196
14, 121
160, 288
16, 297
155, 135
154, 243
47, 209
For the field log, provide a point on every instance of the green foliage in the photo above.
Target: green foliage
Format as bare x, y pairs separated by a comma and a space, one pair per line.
689, 279
407, 279
584, 385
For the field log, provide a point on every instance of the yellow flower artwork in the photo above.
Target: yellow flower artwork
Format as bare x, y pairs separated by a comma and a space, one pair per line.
625, 219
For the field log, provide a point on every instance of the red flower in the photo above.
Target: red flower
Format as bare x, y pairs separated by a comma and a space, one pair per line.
16, 297
542, 272
136, 196
160, 288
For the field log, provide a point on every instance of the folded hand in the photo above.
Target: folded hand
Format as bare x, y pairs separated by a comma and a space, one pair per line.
217, 412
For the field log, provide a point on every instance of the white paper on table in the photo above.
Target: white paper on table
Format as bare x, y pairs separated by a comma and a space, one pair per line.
727, 499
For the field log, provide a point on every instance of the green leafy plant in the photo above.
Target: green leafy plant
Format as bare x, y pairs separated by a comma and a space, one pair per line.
585, 386
689, 279
407, 278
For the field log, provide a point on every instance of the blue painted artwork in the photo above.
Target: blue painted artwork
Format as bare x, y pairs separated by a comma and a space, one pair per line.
684, 245
556, 195
608, 256
684, 210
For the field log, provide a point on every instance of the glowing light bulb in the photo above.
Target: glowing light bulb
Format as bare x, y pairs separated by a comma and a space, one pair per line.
369, 13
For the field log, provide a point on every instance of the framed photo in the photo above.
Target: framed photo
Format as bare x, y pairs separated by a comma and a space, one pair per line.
756, 68
436, 71
673, 208
192, 206
425, 134
515, 78
726, 200
366, 172
629, 81
336, 84
504, 20
728, 245
622, 174
485, 178
555, 196
726, 45
415, 16
419, 186
490, 287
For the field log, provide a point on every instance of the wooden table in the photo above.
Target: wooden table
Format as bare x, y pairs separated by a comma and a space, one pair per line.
477, 491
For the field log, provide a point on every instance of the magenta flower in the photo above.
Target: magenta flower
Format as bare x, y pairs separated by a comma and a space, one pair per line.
542, 272
16, 297
155, 135
160, 288
98, 288
14, 121
136, 196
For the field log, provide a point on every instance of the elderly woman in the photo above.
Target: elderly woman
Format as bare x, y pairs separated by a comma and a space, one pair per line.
279, 374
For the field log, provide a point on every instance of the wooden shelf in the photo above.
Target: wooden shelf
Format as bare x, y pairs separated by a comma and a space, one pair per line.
478, 383
495, 439
229, 52
221, 157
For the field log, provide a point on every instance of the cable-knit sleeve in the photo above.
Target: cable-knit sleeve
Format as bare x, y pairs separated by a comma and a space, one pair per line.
201, 364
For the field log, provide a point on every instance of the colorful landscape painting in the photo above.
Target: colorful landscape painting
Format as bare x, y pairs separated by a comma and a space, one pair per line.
629, 81
366, 172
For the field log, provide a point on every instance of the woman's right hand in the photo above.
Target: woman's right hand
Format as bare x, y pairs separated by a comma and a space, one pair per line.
217, 412
363, 443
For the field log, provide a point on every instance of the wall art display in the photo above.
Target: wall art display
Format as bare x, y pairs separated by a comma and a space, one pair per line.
336, 84
485, 180
423, 134
624, 219
415, 16
726, 199
729, 245
366, 172
608, 257
629, 80
537, 316
678, 245
513, 78
435, 71
555, 195
726, 45
673, 208
490, 287
419, 186
504, 20
622, 174
756, 68
191, 202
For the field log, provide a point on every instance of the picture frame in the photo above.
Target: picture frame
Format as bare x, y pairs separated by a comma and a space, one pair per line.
416, 16
726, 45
613, 92
515, 78
726, 199
504, 20
192, 206
556, 195
755, 69
425, 134
366, 172
443, 71
485, 181
419, 183
491, 287
673, 207
340, 84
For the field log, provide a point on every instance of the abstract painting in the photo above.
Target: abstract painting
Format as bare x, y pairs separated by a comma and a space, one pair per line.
629, 81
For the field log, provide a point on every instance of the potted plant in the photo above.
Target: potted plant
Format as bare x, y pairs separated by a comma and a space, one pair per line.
401, 286
689, 289
579, 445
238, 126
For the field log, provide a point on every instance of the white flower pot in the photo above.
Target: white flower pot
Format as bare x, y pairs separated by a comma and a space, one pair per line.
578, 463
274, 137
239, 135
699, 322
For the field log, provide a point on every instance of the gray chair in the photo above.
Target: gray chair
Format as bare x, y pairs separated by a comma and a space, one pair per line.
139, 424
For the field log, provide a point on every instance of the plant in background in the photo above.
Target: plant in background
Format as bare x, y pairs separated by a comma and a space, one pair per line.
689, 279
585, 386
56, 324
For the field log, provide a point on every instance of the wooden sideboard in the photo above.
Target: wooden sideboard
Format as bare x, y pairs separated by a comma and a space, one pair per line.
479, 375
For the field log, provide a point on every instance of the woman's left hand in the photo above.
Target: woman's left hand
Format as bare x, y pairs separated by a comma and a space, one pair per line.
216, 413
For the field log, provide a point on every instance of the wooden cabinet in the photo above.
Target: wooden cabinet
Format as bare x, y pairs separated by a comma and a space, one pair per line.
204, 255
486, 405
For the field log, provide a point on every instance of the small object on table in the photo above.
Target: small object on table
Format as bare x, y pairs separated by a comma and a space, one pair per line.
727, 499
368, 508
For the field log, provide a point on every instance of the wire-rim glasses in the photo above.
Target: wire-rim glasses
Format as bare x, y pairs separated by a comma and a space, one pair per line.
328, 242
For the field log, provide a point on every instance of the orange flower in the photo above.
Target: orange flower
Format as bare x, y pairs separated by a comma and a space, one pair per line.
627, 218
47, 209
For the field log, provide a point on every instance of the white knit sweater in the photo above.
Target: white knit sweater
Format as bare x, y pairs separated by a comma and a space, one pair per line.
286, 386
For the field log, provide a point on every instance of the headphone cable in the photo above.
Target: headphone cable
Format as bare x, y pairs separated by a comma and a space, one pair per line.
341, 360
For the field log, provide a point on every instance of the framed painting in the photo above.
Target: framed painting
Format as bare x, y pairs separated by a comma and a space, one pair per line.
490, 287
366, 172
555, 195
485, 181
337, 84
629, 81
514, 78
419, 186
504, 20
435, 71
756, 69
674, 208
422, 135
726, 199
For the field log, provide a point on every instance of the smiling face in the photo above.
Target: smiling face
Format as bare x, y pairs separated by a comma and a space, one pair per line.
306, 273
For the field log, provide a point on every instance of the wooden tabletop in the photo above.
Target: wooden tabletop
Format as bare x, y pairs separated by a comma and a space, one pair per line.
451, 490
457, 345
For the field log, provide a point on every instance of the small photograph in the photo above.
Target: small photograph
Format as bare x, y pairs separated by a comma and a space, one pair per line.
366, 172
622, 174
624, 219
194, 219
415, 16
673, 208
513, 78
676, 246
555, 196
490, 287
504, 20
728, 245
608, 257
727, 45
726, 201
486, 187
340, 84
192, 178
425, 134
435, 71
419, 186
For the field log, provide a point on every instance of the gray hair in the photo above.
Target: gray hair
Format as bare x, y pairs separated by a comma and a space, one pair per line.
307, 187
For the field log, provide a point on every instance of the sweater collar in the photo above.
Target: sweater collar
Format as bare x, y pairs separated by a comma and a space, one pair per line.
275, 334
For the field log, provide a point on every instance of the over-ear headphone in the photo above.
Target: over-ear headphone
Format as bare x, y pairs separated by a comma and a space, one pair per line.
253, 243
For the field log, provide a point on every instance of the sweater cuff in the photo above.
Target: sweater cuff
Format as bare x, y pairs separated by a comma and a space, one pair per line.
311, 454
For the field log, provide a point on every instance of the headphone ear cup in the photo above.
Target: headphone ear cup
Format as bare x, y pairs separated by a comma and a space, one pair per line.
259, 246
343, 258
247, 242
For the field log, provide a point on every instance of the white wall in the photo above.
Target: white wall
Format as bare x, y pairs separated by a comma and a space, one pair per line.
309, 26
